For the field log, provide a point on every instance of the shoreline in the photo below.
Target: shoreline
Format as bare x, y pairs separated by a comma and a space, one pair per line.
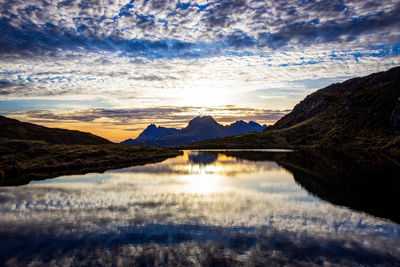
39, 161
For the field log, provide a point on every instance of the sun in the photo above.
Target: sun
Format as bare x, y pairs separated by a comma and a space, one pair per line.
204, 97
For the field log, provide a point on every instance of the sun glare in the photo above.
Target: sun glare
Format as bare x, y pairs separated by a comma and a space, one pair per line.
205, 97
203, 179
202, 183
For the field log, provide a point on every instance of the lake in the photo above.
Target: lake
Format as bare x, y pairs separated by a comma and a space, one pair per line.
212, 208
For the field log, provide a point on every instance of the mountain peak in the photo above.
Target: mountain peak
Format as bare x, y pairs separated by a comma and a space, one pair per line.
199, 128
203, 121
152, 131
151, 126
239, 122
202, 118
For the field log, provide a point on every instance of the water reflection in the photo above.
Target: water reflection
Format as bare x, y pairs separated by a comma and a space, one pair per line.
365, 182
210, 208
202, 158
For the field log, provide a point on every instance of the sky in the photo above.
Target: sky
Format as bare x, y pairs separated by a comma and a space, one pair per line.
112, 67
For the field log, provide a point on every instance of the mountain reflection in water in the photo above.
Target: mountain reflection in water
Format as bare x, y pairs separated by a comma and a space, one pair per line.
210, 208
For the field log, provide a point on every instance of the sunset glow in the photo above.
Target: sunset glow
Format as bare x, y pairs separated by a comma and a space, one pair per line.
121, 65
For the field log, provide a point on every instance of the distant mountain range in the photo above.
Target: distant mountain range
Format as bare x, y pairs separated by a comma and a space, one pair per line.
14, 129
200, 128
358, 114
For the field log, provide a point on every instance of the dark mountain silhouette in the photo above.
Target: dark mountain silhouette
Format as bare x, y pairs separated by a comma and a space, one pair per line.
200, 128
241, 127
154, 132
14, 129
360, 113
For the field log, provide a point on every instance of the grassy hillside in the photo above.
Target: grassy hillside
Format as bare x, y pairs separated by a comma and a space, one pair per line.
361, 114
33, 152
24, 161
14, 129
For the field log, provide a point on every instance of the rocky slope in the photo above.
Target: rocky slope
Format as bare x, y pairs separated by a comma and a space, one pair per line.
360, 113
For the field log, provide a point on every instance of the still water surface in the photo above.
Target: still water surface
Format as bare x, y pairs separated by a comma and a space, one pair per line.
202, 208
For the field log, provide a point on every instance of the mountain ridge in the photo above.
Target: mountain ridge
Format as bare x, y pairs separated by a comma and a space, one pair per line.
358, 114
198, 129
14, 129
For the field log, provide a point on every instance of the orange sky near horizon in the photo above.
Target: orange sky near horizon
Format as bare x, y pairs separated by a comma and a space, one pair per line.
113, 132
114, 67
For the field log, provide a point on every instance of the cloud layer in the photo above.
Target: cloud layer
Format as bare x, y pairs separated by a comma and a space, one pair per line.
143, 54
188, 29
165, 116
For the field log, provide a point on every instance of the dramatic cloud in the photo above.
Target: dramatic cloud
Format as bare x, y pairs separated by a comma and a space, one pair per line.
176, 29
145, 54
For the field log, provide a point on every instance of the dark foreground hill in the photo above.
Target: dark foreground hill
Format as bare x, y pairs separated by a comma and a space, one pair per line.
360, 114
198, 129
14, 129
46, 153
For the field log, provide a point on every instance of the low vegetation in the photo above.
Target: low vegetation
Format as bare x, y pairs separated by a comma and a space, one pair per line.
358, 114
22, 160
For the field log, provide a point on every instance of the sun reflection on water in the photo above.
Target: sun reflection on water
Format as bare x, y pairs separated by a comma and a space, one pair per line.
203, 174
203, 201
202, 183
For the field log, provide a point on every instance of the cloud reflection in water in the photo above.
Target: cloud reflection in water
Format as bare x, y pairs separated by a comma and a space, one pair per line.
194, 209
